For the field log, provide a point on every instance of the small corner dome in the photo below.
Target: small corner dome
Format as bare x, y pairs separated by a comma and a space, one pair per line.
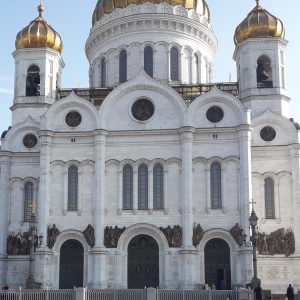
39, 34
259, 24
107, 6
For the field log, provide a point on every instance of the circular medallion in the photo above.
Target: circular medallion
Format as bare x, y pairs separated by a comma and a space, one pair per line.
142, 109
268, 133
214, 114
30, 140
73, 119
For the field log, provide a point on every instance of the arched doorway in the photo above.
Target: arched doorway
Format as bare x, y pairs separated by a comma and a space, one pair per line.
143, 262
71, 265
217, 264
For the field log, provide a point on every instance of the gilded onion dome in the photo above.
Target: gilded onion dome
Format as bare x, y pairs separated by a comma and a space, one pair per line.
259, 23
39, 34
108, 6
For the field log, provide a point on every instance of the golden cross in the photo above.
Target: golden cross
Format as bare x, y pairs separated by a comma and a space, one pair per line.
252, 204
33, 207
41, 2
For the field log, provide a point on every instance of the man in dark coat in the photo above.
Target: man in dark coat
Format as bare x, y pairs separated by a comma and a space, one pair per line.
290, 292
258, 292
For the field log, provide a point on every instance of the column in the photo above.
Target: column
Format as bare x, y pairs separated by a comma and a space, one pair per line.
5, 162
246, 196
44, 254
98, 279
187, 254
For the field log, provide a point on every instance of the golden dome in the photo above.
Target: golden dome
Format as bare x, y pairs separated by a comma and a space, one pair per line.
259, 23
107, 6
39, 34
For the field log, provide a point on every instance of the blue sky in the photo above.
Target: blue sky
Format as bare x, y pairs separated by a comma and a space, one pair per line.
72, 19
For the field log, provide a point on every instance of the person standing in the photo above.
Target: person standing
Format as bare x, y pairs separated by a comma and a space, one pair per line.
290, 292
258, 292
5, 288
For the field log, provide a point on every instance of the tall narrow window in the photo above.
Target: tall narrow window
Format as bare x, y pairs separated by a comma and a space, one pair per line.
72, 188
33, 81
174, 64
123, 66
143, 187
103, 72
148, 60
269, 198
197, 68
158, 187
127, 187
215, 185
28, 200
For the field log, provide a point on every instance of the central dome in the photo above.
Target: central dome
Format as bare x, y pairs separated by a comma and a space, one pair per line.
107, 6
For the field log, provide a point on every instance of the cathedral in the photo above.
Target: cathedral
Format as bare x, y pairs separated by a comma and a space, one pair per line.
147, 178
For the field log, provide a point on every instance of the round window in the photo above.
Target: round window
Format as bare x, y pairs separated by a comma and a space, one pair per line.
214, 114
142, 109
30, 140
268, 133
73, 119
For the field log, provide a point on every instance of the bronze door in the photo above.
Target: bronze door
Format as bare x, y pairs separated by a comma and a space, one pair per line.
143, 262
217, 264
71, 265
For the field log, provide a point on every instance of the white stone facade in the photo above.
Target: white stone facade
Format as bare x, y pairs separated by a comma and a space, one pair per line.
178, 136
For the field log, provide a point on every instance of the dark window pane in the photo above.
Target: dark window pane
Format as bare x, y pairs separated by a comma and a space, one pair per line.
174, 64
143, 187
269, 198
103, 73
72, 188
127, 187
33, 81
28, 200
123, 66
148, 60
158, 187
215, 185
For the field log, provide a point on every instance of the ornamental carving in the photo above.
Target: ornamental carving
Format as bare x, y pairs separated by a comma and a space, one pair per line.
237, 234
268, 134
89, 235
17, 245
197, 235
142, 109
174, 236
277, 242
73, 119
52, 234
112, 236
30, 140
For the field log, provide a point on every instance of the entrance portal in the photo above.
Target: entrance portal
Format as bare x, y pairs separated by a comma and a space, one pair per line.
71, 265
217, 264
143, 262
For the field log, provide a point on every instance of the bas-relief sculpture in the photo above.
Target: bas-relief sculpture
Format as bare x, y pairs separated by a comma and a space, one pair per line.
112, 236
197, 235
237, 234
89, 235
52, 234
174, 236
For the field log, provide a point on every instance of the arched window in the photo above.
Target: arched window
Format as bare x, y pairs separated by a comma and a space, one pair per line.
143, 187
264, 72
33, 81
215, 185
148, 60
127, 187
174, 64
123, 66
28, 200
158, 187
269, 198
103, 72
72, 188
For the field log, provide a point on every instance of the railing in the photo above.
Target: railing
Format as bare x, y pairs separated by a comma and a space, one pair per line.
196, 295
188, 92
38, 295
124, 294
116, 295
